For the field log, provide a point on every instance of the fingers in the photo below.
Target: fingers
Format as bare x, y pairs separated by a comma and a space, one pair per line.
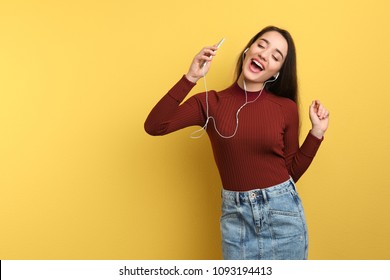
200, 64
206, 54
317, 108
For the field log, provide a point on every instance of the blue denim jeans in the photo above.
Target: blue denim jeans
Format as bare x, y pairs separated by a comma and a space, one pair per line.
266, 224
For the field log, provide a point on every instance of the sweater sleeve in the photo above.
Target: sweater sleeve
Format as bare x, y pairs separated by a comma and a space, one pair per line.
168, 115
298, 159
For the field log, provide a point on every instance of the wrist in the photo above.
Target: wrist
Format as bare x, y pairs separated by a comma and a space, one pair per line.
317, 133
191, 78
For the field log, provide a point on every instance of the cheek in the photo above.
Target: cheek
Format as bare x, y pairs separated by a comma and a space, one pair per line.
275, 67
245, 63
246, 59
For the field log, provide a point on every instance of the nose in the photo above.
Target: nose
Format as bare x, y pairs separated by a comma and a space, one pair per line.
264, 55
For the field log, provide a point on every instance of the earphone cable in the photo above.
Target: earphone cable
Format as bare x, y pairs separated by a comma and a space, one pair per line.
204, 128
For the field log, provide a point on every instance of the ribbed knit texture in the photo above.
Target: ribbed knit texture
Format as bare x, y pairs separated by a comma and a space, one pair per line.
265, 150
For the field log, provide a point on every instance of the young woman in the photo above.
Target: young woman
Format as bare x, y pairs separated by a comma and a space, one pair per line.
253, 126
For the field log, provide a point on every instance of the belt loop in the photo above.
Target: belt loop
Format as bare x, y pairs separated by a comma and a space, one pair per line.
238, 198
264, 193
292, 183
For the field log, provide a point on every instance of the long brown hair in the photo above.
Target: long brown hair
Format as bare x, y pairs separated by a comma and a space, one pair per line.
287, 83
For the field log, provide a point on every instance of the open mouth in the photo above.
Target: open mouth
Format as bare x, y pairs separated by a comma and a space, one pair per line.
257, 66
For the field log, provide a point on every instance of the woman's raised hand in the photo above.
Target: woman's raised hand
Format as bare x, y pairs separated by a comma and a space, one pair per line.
201, 63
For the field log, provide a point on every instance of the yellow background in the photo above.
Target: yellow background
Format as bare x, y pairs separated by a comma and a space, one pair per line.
79, 177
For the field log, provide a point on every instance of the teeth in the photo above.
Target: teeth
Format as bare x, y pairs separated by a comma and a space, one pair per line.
258, 64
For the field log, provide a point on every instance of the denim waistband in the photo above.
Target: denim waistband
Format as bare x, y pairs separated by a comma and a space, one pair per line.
259, 193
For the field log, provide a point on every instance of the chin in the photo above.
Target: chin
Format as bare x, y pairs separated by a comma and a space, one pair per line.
254, 78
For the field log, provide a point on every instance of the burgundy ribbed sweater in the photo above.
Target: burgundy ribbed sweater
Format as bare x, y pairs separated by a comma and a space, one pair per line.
264, 152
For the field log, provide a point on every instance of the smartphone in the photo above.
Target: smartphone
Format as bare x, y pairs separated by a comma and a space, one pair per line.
218, 45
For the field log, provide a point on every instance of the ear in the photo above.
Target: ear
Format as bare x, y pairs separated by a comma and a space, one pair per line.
243, 54
276, 75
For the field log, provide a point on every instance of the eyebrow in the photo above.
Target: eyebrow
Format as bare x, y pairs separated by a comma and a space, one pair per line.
265, 40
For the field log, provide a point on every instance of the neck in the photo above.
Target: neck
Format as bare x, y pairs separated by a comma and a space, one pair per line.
249, 85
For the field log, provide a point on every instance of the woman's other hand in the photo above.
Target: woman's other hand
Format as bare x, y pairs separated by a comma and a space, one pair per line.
319, 117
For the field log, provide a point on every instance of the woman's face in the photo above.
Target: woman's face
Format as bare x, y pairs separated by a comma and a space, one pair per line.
265, 57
